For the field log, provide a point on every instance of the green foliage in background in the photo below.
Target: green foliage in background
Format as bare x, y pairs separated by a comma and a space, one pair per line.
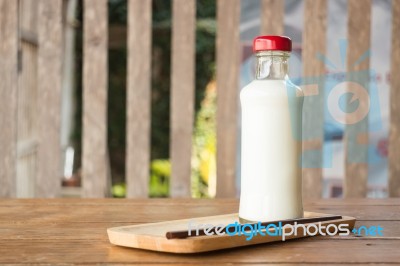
159, 178
204, 149
159, 181
205, 65
119, 190
160, 97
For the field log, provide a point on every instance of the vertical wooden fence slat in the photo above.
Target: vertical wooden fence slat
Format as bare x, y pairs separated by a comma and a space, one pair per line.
314, 42
28, 16
8, 95
138, 98
27, 98
48, 175
394, 136
182, 95
272, 12
228, 63
95, 69
356, 135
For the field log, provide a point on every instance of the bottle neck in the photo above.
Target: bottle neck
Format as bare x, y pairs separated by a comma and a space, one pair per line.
272, 65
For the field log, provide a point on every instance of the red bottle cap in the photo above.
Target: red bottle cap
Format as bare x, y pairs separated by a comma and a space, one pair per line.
274, 43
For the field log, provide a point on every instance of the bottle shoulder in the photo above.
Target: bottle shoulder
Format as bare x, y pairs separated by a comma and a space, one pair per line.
271, 87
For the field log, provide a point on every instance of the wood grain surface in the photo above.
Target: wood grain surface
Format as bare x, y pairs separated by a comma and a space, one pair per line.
27, 98
73, 231
48, 167
95, 84
394, 135
138, 98
228, 63
8, 96
272, 12
182, 95
356, 151
314, 38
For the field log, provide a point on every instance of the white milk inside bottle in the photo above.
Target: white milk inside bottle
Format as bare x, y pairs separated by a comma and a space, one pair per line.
271, 106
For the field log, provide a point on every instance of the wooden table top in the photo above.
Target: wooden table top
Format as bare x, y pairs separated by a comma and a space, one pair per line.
74, 231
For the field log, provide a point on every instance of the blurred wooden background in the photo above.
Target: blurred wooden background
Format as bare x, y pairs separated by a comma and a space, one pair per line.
33, 54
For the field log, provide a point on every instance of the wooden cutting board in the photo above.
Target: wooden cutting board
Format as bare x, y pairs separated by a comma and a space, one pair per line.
152, 236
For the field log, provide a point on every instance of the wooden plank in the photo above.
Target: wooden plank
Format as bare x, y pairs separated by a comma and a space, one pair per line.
27, 98
394, 135
272, 12
95, 78
37, 211
107, 212
27, 120
218, 206
74, 231
78, 252
356, 152
28, 19
182, 95
314, 42
48, 170
349, 204
228, 63
94, 231
138, 98
8, 96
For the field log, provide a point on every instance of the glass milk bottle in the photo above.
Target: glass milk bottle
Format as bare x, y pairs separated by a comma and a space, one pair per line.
271, 106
